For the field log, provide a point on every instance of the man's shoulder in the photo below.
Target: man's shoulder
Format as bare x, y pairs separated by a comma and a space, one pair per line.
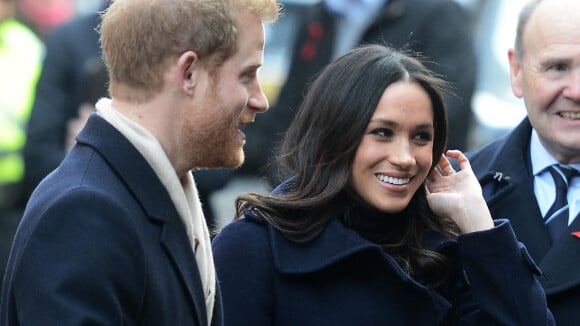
508, 147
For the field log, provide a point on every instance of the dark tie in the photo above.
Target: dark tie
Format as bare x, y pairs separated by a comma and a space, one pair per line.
557, 217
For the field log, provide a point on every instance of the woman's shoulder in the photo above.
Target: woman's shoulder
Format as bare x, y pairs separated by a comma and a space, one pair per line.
251, 230
243, 242
249, 221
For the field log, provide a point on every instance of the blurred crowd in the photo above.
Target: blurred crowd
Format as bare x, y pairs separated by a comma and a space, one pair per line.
44, 15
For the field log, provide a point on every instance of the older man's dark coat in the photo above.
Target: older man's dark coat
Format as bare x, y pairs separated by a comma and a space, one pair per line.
504, 171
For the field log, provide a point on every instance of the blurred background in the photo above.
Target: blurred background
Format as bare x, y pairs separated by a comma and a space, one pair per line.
493, 24
44, 15
495, 108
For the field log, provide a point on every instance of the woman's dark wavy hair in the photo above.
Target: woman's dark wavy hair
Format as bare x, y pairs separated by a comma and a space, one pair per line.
318, 150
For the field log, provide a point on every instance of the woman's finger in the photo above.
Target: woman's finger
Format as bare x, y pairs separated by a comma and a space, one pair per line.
460, 158
445, 168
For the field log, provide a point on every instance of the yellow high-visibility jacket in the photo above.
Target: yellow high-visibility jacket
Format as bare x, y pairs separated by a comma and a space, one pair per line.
21, 53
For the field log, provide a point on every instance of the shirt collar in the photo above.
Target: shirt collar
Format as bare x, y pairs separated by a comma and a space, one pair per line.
541, 158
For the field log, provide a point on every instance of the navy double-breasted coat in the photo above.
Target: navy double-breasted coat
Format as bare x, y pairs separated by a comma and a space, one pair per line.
340, 278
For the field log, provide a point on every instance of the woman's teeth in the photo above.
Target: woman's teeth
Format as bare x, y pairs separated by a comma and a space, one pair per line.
391, 180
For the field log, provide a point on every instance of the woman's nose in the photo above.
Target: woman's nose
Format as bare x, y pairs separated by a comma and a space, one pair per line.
402, 155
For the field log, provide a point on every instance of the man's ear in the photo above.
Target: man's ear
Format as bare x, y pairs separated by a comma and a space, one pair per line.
515, 73
188, 66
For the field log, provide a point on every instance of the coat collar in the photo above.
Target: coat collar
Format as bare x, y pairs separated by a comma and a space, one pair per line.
337, 243
334, 244
146, 187
131, 166
514, 145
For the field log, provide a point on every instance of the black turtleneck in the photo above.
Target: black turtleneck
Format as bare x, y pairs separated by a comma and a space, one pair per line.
373, 225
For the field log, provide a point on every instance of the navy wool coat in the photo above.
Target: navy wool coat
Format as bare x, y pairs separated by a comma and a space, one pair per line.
340, 278
504, 170
101, 243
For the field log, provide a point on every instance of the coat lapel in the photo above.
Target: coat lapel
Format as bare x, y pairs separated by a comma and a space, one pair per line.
337, 243
517, 196
175, 241
333, 245
154, 198
508, 187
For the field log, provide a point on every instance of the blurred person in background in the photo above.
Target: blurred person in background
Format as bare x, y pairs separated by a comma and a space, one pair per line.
440, 30
87, 6
73, 79
44, 15
522, 174
20, 64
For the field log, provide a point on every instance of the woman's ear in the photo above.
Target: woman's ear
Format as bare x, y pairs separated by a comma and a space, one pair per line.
188, 67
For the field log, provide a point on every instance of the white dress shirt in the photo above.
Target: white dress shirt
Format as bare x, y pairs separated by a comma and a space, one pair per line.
544, 186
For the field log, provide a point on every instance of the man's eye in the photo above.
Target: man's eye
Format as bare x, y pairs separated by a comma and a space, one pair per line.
558, 67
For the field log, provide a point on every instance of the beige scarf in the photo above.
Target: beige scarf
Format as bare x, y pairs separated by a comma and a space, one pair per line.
183, 193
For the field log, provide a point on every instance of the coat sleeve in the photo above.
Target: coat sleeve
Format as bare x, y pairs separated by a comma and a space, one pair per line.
244, 267
503, 281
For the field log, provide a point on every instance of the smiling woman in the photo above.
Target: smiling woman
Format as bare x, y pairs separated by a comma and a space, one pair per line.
363, 229
396, 151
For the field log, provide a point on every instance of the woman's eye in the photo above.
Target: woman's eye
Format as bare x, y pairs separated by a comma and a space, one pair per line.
382, 132
424, 136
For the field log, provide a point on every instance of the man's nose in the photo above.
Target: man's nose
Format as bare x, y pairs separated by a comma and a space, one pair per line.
572, 89
258, 100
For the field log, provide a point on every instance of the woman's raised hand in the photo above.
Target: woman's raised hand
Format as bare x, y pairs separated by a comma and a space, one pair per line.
457, 194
